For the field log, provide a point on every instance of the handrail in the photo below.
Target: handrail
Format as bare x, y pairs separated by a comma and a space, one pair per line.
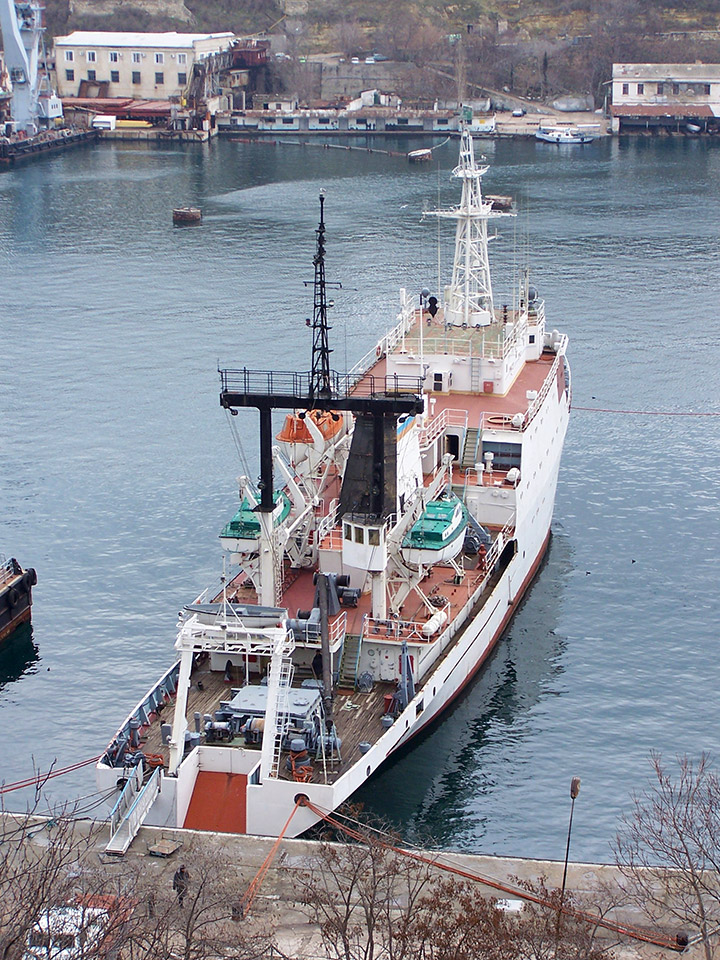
437, 426
549, 380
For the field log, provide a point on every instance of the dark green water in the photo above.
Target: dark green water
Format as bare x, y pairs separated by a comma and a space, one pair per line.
118, 467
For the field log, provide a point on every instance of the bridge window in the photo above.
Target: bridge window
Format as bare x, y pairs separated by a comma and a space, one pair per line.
359, 535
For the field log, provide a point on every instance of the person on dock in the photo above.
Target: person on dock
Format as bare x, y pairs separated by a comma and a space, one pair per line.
181, 881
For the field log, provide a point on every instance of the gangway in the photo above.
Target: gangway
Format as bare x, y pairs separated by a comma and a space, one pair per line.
129, 813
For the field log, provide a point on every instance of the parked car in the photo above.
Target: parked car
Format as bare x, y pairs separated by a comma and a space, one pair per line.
379, 57
518, 112
88, 927
355, 60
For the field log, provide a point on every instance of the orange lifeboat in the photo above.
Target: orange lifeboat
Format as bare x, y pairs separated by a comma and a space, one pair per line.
295, 429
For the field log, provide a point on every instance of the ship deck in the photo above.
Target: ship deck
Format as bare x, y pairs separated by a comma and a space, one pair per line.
357, 717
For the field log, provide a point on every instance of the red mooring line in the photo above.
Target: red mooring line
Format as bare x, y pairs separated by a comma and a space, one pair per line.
648, 413
590, 918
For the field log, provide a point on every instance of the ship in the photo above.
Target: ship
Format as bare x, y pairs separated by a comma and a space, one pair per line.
401, 513
15, 595
556, 133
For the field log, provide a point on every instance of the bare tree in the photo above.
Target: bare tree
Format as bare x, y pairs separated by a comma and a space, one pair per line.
36, 876
668, 847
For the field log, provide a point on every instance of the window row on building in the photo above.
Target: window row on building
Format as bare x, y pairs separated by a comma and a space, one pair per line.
665, 88
115, 56
136, 77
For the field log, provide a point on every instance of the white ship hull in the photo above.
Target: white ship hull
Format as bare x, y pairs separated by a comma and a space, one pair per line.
408, 639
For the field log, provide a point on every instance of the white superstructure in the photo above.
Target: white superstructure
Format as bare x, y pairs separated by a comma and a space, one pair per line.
352, 623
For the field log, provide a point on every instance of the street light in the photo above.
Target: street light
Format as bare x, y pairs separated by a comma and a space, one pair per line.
574, 791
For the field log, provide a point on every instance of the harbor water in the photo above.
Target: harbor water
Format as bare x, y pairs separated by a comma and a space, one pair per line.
118, 467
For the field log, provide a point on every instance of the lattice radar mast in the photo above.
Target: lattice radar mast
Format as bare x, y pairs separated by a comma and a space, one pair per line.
469, 298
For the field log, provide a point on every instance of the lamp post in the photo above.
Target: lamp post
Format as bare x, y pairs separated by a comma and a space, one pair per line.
574, 791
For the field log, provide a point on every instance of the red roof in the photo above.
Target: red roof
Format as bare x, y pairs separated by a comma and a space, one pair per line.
661, 110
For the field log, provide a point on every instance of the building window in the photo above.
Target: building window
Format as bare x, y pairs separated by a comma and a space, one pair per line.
442, 123
91, 58
402, 121
70, 75
114, 76
288, 120
182, 79
182, 58
92, 75
136, 76
113, 56
661, 89
69, 56
137, 58
159, 58
626, 89
641, 88
324, 120
706, 89
676, 89
159, 78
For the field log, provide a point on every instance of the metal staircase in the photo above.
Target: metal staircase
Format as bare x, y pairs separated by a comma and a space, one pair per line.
350, 660
470, 450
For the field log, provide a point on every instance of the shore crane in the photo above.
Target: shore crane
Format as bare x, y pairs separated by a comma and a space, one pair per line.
34, 104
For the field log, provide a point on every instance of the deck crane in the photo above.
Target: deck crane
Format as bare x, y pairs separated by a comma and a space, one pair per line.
34, 104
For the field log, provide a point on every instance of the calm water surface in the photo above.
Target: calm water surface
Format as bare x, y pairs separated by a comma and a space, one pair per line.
118, 467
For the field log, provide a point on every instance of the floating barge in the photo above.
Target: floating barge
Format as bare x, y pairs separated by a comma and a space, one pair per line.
15, 595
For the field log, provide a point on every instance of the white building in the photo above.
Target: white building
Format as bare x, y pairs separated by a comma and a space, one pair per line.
665, 94
145, 66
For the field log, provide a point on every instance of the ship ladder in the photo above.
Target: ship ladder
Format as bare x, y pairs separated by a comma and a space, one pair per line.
284, 683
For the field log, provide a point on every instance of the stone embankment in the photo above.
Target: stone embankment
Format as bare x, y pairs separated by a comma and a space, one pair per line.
276, 907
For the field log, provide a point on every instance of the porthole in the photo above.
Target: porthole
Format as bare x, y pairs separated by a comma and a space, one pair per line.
368, 771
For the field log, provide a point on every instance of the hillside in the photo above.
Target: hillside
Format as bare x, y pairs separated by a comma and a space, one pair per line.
536, 48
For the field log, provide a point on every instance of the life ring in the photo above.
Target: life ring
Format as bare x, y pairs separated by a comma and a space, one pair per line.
13, 597
154, 760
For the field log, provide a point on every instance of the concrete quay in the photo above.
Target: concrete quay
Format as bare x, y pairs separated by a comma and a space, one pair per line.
277, 906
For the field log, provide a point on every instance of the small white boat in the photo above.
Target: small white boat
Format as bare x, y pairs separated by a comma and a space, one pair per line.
420, 156
563, 135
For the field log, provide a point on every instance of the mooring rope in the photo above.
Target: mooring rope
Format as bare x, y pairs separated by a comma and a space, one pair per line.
628, 931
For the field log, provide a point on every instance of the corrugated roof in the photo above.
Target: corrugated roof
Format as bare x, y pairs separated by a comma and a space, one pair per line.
666, 71
673, 110
100, 38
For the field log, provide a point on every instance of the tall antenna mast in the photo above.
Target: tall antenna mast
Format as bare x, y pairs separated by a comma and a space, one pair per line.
320, 383
469, 301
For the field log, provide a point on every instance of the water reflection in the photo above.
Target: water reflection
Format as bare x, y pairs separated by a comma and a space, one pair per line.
18, 655
438, 787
